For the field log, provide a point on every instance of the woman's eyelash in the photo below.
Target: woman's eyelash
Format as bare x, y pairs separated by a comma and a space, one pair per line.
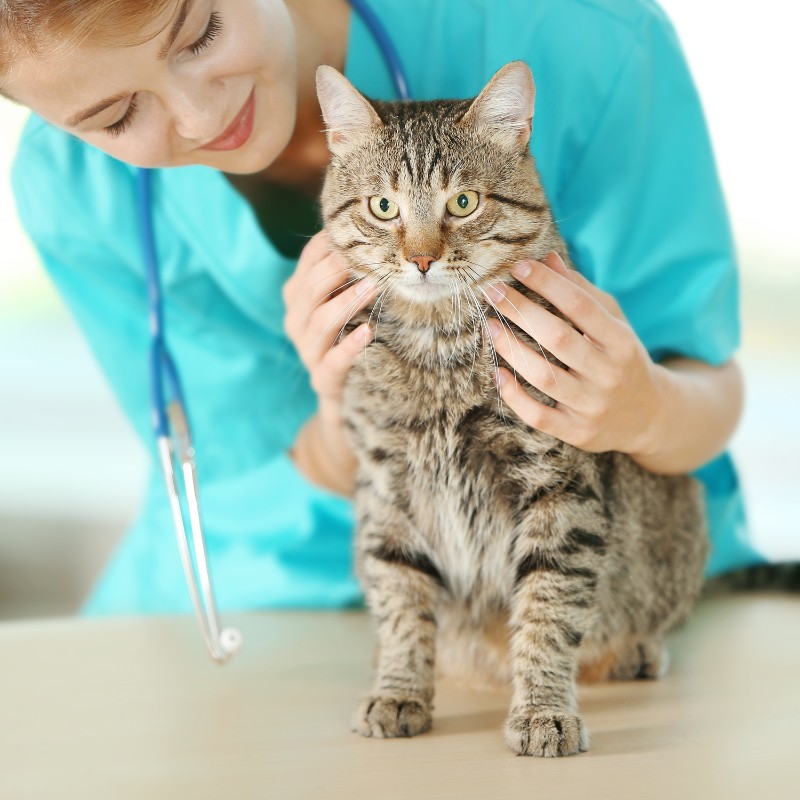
122, 125
212, 31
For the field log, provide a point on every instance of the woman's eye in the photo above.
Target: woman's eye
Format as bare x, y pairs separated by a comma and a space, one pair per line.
123, 124
383, 207
463, 203
212, 31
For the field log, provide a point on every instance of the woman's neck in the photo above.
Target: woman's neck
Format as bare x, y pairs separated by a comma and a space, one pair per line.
321, 30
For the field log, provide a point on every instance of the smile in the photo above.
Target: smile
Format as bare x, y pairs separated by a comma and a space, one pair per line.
238, 132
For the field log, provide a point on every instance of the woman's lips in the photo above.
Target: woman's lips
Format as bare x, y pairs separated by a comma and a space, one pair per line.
238, 132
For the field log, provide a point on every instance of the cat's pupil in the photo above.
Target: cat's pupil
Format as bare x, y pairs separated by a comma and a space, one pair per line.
463, 201
384, 204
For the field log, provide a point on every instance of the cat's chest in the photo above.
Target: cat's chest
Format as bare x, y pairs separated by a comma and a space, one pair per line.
418, 387
439, 444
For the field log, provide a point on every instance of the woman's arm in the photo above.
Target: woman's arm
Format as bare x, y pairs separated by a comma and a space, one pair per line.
700, 407
323, 454
321, 297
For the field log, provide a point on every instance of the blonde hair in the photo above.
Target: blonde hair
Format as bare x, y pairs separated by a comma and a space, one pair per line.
33, 26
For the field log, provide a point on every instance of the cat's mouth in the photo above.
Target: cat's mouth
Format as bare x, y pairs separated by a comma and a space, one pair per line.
425, 287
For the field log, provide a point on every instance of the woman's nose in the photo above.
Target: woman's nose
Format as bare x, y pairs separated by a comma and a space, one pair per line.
198, 115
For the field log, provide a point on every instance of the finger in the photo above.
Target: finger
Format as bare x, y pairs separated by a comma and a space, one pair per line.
318, 246
579, 306
326, 278
315, 250
549, 378
530, 411
338, 360
552, 333
553, 421
329, 320
556, 263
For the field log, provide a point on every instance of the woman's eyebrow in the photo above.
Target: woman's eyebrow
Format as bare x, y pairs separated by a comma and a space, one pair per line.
175, 30
76, 120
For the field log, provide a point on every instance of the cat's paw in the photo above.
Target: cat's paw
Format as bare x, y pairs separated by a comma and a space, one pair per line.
643, 660
546, 732
390, 717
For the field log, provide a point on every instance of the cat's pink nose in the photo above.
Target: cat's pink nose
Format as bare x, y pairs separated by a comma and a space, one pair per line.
423, 262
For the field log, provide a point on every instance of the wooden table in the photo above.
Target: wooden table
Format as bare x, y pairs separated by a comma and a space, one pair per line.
132, 708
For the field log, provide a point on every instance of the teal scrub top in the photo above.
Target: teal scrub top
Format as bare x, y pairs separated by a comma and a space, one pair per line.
624, 153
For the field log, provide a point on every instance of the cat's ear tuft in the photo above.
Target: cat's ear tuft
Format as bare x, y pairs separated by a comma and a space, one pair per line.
347, 113
505, 106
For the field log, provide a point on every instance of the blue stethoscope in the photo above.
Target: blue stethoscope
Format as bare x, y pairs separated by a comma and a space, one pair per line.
170, 424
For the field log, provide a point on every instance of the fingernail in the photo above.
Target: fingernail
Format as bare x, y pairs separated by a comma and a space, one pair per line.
364, 334
499, 378
494, 327
496, 293
522, 269
364, 286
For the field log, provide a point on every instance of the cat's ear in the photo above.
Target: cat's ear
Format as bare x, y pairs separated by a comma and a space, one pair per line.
347, 113
505, 106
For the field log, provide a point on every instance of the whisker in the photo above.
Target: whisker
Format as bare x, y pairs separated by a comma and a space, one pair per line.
381, 298
492, 350
349, 269
544, 355
522, 352
353, 304
506, 325
369, 319
475, 345
455, 303
337, 289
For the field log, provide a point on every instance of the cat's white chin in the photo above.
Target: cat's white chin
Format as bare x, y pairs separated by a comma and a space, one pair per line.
425, 291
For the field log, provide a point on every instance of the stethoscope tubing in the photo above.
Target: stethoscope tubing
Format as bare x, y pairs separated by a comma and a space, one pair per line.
386, 46
221, 644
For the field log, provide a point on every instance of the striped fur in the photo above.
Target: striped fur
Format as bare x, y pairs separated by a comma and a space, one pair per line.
484, 546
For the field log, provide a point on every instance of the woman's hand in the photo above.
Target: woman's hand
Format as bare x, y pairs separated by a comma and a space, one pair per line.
670, 418
320, 298
611, 395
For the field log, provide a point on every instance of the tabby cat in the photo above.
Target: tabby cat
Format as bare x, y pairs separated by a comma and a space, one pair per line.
503, 550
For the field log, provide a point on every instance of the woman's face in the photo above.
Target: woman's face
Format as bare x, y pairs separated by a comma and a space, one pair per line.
223, 93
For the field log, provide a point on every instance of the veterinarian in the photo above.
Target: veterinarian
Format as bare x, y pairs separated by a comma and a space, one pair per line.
224, 91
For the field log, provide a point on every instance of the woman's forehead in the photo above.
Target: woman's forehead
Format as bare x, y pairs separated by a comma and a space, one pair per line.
55, 73
47, 27
58, 84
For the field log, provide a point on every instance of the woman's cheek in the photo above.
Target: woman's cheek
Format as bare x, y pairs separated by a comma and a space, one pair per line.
140, 150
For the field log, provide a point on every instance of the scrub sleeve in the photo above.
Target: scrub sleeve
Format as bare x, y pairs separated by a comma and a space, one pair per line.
624, 155
274, 539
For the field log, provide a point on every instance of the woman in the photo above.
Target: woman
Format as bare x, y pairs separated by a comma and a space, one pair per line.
226, 90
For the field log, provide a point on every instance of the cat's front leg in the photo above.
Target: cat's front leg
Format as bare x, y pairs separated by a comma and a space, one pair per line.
551, 610
402, 588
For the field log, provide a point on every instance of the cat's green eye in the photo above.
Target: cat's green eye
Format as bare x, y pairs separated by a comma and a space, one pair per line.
383, 207
463, 203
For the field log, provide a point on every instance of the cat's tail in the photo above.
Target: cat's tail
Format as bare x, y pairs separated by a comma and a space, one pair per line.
784, 577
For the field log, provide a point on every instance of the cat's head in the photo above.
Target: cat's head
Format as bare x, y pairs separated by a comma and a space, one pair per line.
431, 197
